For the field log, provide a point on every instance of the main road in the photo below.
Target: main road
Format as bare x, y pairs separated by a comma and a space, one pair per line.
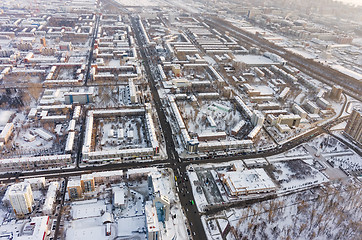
173, 161
193, 217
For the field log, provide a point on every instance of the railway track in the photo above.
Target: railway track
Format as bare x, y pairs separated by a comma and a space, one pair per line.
314, 69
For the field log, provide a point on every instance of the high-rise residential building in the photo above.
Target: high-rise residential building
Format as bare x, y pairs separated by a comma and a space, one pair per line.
354, 126
21, 198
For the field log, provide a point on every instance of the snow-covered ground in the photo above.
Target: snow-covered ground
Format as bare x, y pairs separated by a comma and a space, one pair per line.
293, 175
126, 132
350, 161
333, 213
38, 145
223, 113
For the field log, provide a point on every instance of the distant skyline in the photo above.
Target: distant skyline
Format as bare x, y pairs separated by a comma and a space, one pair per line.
356, 2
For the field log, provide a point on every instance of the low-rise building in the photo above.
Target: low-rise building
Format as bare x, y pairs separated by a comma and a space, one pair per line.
323, 103
6, 132
299, 110
80, 97
247, 182
118, 197
36, 183
291, 120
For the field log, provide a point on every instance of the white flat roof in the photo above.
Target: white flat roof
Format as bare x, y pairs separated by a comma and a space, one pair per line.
253, 59
87, 209
249, 180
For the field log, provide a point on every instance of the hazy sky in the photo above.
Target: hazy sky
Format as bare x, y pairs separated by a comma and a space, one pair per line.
356, 2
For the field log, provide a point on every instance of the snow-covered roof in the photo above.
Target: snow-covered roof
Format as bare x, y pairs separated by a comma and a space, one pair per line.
107, 217
35, 229
118, 196
348, 72
54, 158
151, 130
38, 180
19, 188
88, 209
253, 180
4, 117
254, 60
108, 173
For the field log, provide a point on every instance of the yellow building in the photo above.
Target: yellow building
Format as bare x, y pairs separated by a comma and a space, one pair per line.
176, 69
74, 189
87, 183
292, 120
21, 198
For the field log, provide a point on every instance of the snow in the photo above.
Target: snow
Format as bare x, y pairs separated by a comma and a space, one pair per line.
200, 199
255, 60
340, 126
323, 214
248, 181
127, 227
25, 229
89, 228
30, 147
210, 60
195, 117
141, 3
110, 137
129, 219
88, 209
5, 116
303, 53
348, 72
3, 214
263, 89
296, 174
